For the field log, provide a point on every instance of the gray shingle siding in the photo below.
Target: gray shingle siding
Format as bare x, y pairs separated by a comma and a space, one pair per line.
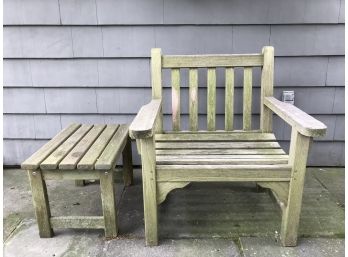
88, 61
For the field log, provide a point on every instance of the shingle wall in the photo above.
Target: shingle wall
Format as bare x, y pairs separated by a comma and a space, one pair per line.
88, 60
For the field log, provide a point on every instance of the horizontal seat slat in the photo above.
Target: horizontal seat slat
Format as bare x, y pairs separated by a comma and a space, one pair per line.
90, 158
219, 151
52, 161
217, 137
34, 161
211, 61
221, 161
70, 161
112, 151
215, 145
200, 173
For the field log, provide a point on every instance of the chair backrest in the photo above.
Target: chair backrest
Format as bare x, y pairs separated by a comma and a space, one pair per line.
175, 63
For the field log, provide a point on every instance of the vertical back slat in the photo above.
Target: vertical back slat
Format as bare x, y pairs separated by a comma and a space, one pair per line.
266, 88
156, 82
229, 96
211, 108
176, 99
193, 92
247, 98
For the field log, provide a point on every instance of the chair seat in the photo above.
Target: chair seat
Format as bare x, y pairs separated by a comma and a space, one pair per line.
243, 156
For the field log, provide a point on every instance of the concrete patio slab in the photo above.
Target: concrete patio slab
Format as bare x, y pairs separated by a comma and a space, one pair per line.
202, 219
307, 247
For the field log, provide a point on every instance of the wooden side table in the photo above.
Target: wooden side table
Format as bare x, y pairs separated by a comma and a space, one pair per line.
80, 152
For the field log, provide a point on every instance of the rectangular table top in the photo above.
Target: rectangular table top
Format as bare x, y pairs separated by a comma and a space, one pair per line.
82, 147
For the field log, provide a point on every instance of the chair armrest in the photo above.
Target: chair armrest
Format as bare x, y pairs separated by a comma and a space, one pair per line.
304, 123
144, 123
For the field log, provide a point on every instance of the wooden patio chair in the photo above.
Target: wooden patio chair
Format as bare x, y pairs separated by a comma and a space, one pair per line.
173, 159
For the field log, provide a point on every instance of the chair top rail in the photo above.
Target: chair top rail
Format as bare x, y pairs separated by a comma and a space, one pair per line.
211, 61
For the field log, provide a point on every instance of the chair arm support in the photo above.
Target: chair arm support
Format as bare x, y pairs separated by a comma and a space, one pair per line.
301, 121
144, 123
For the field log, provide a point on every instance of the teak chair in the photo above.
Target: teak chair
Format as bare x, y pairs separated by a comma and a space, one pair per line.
174, 159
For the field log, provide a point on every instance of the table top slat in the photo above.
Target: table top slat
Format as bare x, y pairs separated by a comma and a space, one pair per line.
34, 161
70, 161
52, 161
112, 151
89, 159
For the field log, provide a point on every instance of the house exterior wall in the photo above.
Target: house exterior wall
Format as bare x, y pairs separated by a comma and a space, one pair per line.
88, 61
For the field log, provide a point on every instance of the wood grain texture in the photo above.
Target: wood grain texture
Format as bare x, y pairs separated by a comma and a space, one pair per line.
70, 161
301, 121
34, 161
108, 203
144, 123
298, 153
89, 159
267, 77
127, 163
107, 160
156, 82
164, 188
229, 98
247, 98
52, 161
41, 203
232, 136
210, 173
149, 190
220, 151
211, 101
89, 222
211, 61
193, 99
176, 99
216, 145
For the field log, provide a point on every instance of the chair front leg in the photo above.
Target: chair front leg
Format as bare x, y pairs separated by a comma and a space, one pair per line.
148, 160
299, 146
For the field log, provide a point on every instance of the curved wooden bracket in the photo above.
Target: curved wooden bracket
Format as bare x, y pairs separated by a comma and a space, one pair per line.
164, 188
280, 191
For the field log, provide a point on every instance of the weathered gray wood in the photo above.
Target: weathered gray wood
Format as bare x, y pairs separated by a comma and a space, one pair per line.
108, 203
211, 108
41, 203
156, 82
211, 61
235, 136
298, 154
221, 156
229, 98
176, 99
218, 131
144, 123
33, 162
127, 163
304, 123
107, 160
52, 161
164, 188
163, 160
247, 98
280, 191
193, 92
90, 158
200, 173
267, 78
220, 151
149, 190
212, 145
70, 174
70, 161
90, 222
